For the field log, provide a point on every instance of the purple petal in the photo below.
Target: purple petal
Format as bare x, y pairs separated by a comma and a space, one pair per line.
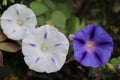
91, 60
93, 31
45, 35
104, 43
104, 53
32, 45
86, 61
37, 59
77, 45
83, 55
98, 56
80, 41
80, 35
105, 40
79, 53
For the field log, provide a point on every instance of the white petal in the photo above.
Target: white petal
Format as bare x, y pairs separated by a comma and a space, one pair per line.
44, 64
10, 19
54, 58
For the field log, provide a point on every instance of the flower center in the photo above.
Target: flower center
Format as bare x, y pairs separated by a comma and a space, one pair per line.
20, 22
90, 46
44, 48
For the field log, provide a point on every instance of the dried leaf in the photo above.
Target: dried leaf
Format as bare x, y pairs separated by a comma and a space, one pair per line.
9, 47
1, 59
2, 36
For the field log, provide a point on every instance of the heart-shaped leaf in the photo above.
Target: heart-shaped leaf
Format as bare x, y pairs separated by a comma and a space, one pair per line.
38, 8
9, 47
72, 23
58, 19
50, 4
41, 20
66, 8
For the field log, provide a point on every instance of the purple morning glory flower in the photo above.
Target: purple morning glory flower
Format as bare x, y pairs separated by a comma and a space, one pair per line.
92, 46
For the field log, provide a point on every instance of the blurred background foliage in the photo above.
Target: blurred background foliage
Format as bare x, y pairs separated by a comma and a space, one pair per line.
69, 16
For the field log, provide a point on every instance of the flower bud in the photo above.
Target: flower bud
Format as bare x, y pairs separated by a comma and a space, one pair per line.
71, 37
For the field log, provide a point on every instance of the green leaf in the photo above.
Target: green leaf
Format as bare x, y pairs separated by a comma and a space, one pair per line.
9, 47
0, 8
12, 1
118, 59
2, 36
114, 62
58, 19
66, 8
116, 7
82, 23
19, 42
72, 24
38, 8
107, 73
41, 20
4, 3
49, 4
92, 72
110, 67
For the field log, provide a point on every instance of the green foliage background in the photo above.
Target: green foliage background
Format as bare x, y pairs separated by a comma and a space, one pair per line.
69, 16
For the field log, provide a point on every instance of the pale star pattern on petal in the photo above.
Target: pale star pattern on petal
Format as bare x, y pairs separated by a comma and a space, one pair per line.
45, 49
17, 21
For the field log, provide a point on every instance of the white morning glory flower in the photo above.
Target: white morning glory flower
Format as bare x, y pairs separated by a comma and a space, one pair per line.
45, 49
17, 21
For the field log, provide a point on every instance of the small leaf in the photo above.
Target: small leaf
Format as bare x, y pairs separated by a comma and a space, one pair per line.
73, 24
58, 19
2, 36
49, 4
118, 59
38, 8
110, 67
116, 7
4, 3
114, 62
0, 8
12, 1
107, 73
9, 47
66, 8
92, 72
82, 23
41, 20
1, 59
19, 42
